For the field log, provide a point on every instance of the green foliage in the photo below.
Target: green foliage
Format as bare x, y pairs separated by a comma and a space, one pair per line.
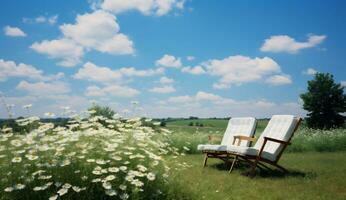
190, 124
324, 101
105, 111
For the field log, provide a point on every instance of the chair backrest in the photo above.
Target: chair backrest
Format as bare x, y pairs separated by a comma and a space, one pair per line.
280, 127
239, 126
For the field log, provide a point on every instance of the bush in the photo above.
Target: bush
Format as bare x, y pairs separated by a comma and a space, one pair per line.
190, 124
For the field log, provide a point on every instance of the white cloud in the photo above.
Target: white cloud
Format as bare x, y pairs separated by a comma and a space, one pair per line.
204, 96
181, 99
10, 69
146, 7
343, 83
310, 71
220, 86
131, 71
42, 19
112, 90
92, 72
197, 70
98, 31
284, 43
190, 58
169, 61
163, 89
205, 104
69, 52
282, 79
240, 69
14, 31
166, 80
105, 75
44, 88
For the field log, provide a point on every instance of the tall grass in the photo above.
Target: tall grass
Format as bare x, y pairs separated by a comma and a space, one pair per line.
304, 140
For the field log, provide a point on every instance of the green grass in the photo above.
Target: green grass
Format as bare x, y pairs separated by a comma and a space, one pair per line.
312, 176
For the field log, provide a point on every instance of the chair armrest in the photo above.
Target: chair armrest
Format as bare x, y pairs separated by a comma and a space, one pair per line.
276, 140
242, 137
272, 140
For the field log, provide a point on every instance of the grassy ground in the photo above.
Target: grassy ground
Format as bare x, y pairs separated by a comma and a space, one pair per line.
312, 176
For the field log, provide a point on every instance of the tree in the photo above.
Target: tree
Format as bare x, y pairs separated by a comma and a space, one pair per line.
102, 111
324, 101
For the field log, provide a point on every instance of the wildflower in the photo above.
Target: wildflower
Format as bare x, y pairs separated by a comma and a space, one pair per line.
122, 187
16, 143
31, 157
137, 183
96, 180
55, 197
141, 168
113, 169
124, 196
123, 168
62, 191
76, 189
111, 192
110, 178
106, 185
17, 160
151, 176
9, 189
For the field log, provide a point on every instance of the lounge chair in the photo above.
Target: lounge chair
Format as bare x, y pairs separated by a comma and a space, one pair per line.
270, 145
242, 127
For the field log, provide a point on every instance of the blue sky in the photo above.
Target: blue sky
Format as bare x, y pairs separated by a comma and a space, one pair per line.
176, 58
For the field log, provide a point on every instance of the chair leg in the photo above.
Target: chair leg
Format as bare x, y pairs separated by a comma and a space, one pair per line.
253, 169
233, 163
205, 160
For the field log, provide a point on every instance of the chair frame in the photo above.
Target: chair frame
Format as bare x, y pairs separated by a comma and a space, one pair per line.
224, 155
258, 160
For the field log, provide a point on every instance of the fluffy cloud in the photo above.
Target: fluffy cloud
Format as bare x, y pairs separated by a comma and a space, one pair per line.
163, 90
98, 30
42, 19
10, 69
310, 71
131, 71
113, 90
343, 83
166, 80
282, 79
44, 88
14, 31
92, 72
195, 105
240, 69
67, 50
197, 70
284, 43
169, 61
146, 7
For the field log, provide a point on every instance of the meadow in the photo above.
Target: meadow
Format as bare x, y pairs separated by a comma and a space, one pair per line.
100, 158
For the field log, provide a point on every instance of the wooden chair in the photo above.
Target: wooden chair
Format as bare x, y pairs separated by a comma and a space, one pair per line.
244, 127
269, 146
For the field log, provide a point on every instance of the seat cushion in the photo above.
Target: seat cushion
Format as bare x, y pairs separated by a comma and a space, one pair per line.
211, 147
249, 151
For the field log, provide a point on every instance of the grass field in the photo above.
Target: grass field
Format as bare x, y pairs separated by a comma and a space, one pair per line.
312, 176
317, 166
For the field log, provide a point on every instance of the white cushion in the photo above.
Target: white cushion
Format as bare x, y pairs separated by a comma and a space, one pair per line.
249, 151
211, 147
244, 126
280, 127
